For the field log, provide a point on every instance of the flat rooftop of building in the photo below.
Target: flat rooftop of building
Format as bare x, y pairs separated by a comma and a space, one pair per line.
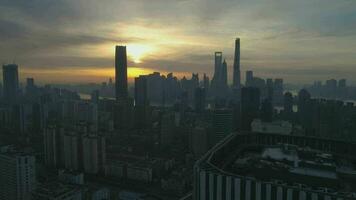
246, 155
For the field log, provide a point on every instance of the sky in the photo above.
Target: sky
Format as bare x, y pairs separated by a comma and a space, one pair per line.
69, 41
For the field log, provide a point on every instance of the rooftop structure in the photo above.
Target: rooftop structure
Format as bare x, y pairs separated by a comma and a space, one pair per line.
276, 166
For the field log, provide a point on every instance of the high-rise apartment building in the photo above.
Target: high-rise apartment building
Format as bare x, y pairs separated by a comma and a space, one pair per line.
17, 174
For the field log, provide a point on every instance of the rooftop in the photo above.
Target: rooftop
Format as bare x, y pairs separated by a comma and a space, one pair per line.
294, 161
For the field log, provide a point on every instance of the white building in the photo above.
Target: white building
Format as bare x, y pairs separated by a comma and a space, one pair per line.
278, 127
17, 175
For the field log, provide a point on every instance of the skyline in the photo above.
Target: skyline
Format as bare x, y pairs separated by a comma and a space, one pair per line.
301, 41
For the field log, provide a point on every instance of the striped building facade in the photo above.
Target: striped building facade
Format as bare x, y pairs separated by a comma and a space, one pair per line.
211, 182
213, 186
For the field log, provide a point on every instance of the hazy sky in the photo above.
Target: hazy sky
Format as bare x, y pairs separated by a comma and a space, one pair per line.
73, 40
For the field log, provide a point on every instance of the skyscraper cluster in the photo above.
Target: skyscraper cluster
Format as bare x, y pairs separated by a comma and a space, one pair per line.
167, 138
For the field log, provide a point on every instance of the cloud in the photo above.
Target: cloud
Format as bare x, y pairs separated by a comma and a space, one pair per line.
285, 34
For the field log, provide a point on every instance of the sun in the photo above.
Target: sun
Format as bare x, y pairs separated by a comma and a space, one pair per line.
138, 51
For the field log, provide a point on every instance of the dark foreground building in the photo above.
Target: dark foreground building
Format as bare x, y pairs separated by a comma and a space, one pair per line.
253, 166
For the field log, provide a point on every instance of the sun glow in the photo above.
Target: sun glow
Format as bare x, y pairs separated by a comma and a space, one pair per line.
137, 52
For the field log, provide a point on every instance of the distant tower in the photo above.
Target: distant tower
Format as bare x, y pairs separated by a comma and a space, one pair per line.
249, 78
224, 75
206, 82
121, 72
10, 82
236, 73
218, 62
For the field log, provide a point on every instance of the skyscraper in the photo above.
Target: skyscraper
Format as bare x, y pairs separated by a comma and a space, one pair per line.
142, 108
222, 125
278, 91
121, 72
236, 72
218, 62
17, 174
141, 98
249, 78
11, 82
224, 75
250, 105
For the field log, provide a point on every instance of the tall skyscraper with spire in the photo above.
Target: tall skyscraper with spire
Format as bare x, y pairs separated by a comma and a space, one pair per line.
236, 74
217, 71
121, 72
224, 75
218, 65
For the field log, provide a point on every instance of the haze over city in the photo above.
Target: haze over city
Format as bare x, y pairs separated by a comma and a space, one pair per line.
300, 40
178, 100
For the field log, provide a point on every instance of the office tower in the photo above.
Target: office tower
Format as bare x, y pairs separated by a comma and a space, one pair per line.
53, 147
331, 84
30, 86
142, 107
250, 104
288, 102
94, 153
199, 100
278, 90
121, 72
249, 79
194, 81
206, 82
10, 82
224, 76
17, 174
218, 62
270, 86
141, 97
236, 73
216, 81
172, 88
342, 89
222, 125
219, 82
342, 83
